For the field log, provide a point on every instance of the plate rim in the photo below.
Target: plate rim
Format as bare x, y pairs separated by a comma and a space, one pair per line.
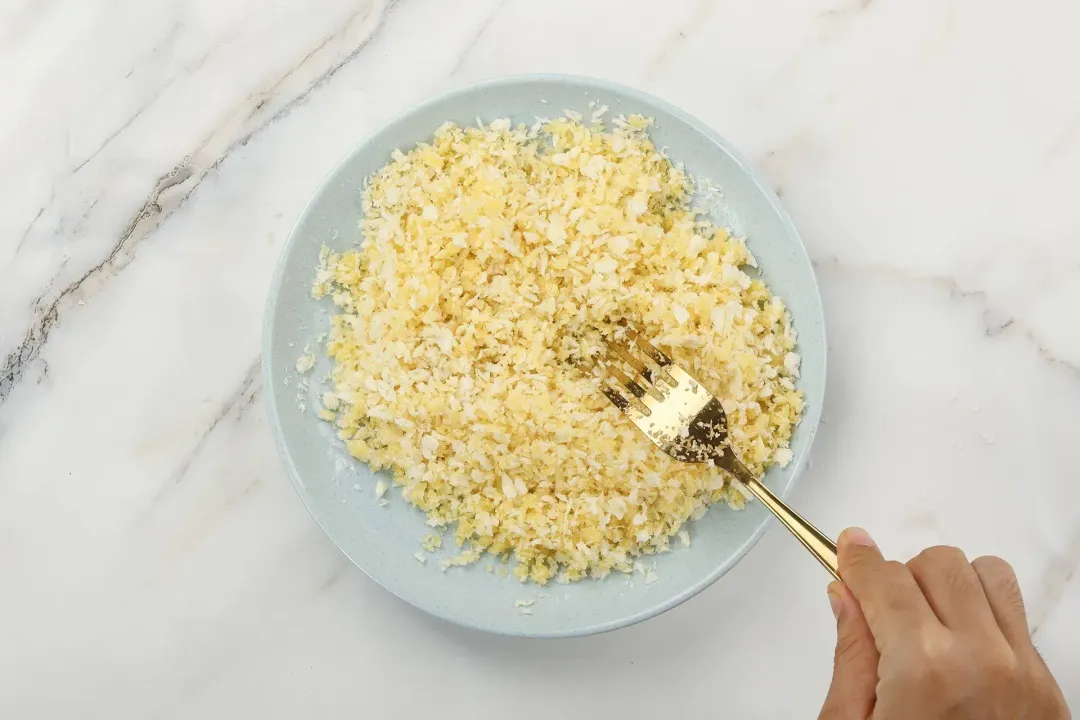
811, 421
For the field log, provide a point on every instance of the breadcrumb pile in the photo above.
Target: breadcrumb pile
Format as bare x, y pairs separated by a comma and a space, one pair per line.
490, 257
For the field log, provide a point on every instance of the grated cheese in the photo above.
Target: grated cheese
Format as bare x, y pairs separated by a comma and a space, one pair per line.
305, 363
494, 257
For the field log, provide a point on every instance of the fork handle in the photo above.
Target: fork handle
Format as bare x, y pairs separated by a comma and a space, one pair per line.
817, 542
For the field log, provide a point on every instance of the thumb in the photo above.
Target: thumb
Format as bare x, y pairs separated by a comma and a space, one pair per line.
854, 683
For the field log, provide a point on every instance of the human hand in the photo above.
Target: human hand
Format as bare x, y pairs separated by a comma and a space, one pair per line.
936, 639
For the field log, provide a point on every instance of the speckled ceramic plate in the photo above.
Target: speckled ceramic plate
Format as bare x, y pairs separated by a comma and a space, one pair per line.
338, 490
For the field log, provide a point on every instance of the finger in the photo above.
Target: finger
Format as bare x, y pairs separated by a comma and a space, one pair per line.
890, 598
952, 588
1003, 595
854, 683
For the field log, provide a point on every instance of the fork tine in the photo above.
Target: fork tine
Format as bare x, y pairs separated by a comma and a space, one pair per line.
655, 354
615, 397
632, 408
630, 360
658, 357
646, 398
680, 375
646, 374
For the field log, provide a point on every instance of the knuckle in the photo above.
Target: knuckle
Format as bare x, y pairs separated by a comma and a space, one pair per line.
854, 642
918, 564
848, 647
993, 566
960, 580
926, 673
935, 647
1002, 669
897, 602
1010, 594
1001, 676
999, 580
937, 674
863, 572
894, 569
861, 560
937, 559
896, 579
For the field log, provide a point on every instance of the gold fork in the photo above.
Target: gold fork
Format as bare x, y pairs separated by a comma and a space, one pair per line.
684, 420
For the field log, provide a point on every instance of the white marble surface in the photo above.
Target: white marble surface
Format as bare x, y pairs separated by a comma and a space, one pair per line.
154, 561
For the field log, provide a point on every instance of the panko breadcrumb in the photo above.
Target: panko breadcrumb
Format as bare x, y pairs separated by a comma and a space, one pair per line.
493, 257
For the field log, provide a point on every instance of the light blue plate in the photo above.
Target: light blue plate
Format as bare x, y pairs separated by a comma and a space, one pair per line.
382, 540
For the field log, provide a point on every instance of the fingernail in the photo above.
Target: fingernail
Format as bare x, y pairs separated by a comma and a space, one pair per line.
858, 536
835, 601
